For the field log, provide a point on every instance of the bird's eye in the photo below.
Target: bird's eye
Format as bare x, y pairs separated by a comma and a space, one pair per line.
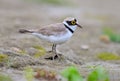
73, 22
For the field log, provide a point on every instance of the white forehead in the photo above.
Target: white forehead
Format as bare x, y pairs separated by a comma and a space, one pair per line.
69, 19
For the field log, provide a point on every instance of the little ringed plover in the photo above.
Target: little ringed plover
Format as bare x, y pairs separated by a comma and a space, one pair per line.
57, 33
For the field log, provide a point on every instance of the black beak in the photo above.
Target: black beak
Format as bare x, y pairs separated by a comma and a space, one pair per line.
78, 25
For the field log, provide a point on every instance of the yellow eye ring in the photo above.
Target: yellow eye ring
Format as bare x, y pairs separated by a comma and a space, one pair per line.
73, 22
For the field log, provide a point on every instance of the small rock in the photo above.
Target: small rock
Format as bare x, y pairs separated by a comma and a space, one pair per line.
85, 47
105, 38
18, 50
15, 49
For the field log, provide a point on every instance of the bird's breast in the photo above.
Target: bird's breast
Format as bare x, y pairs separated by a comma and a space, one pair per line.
57, 39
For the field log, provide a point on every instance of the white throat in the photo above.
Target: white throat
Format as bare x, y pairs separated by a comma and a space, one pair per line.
71, 27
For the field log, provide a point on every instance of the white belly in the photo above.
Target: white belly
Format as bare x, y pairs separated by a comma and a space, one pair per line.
55, 39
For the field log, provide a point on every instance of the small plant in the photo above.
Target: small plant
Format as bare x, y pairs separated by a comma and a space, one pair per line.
112, 35
98, 74
5, 78
72, 74
29, 74
39, 74
47, 75
108, 56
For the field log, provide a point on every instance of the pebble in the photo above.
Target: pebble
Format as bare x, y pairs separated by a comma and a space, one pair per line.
84, 47
15, 49
105, 38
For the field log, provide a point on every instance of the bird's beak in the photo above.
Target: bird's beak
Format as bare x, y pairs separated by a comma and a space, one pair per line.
78, 25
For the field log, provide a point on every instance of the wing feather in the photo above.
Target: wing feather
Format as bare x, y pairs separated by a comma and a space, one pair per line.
53, 29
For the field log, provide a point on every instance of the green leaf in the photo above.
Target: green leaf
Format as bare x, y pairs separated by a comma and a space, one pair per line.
98, 74
72, 74
76, 78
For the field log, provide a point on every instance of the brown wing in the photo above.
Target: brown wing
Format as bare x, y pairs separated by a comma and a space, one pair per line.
53, 29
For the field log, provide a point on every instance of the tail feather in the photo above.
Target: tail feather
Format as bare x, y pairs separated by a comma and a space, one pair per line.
25, 31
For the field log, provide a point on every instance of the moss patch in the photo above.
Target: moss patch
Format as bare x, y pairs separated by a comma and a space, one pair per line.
108, 56
29, 73
5, 78
40, 51
3, 58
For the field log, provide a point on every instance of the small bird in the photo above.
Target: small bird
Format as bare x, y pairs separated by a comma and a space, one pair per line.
57, 33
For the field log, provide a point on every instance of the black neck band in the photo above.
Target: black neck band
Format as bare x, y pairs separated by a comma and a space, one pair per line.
69, 28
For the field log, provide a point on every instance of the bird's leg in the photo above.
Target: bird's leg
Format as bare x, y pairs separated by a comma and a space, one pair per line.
54, 48
54, 51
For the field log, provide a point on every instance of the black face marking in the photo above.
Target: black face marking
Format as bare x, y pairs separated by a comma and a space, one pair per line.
75, 20
72, 22
69, 22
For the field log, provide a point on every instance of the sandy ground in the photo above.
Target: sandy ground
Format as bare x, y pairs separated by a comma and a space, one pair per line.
92, 15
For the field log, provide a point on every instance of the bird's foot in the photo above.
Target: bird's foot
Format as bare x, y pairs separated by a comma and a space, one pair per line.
50, 51
56, 56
